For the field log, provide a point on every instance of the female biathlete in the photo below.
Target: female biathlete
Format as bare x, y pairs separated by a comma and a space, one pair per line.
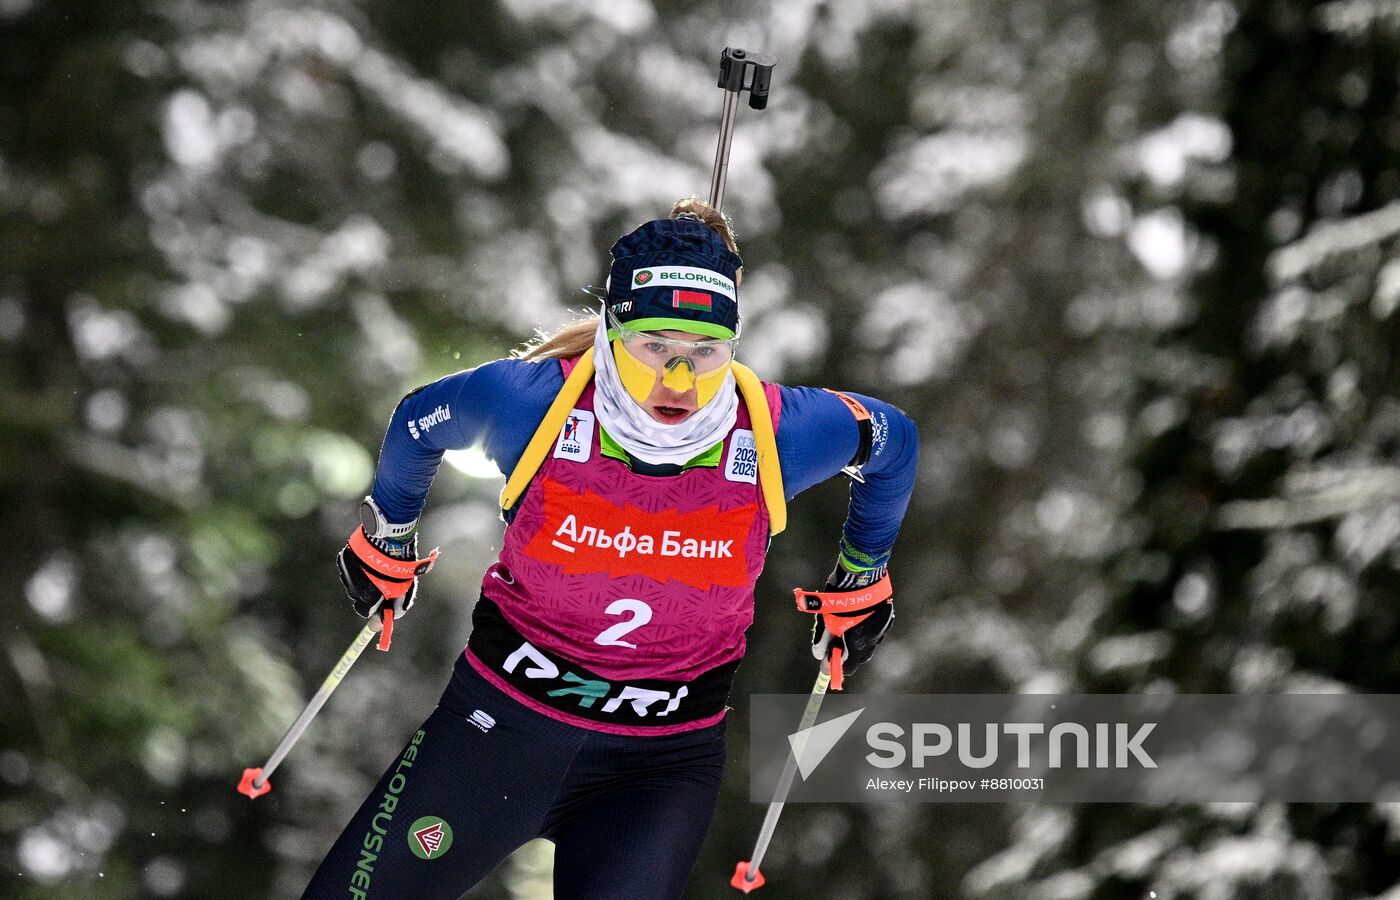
588, 707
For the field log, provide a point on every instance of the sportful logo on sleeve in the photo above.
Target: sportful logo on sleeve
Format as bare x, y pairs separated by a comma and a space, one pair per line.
684, 277
425, 424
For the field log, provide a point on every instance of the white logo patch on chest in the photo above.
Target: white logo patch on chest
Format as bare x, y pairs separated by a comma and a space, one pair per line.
742, 462
576, 437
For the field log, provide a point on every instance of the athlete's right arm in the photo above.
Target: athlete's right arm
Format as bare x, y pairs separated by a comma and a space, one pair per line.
497, 405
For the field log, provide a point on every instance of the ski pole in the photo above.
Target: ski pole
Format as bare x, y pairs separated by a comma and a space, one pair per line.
255, 780
735, 66
747, 876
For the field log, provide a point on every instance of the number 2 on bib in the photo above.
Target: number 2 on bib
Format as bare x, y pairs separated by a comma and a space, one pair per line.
611, 636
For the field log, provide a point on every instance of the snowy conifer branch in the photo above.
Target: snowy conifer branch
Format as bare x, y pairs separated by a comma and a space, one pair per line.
1354, 17
1314, 496
1334, 238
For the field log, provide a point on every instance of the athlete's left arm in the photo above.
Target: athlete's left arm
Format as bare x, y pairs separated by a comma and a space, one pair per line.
818, 436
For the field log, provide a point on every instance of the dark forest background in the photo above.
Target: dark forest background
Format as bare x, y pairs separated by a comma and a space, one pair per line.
1132, 267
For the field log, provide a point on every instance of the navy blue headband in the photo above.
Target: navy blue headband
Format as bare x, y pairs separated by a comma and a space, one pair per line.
675, 273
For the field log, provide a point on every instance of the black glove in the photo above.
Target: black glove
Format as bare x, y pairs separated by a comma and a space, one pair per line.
869, 619
377, 569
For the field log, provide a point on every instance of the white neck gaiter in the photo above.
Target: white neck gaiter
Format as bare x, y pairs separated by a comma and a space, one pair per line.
641, 435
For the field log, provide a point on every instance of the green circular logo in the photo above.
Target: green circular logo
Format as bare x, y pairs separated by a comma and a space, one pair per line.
429, 837
642, 277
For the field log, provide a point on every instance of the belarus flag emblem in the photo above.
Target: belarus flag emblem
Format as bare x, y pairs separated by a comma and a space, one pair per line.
690, 300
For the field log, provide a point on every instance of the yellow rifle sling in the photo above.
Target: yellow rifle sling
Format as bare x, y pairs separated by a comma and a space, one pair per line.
770, 472
750, 388
550, 425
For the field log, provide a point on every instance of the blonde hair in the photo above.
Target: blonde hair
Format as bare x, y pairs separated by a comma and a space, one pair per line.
575, 337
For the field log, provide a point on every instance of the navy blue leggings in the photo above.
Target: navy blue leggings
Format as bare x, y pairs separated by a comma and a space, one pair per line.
486, 774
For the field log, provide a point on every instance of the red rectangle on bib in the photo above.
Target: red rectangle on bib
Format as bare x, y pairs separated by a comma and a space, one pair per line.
584, 533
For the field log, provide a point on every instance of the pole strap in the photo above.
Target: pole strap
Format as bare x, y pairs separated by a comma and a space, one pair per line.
844, 601
392, 576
